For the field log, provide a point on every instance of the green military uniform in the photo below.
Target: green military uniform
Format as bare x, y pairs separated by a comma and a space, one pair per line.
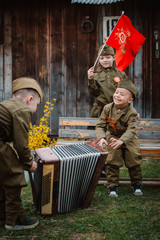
121, 124
102, 87
15, 117
13, 129
103, 84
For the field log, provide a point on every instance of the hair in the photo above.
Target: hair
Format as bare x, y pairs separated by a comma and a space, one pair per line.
23, 93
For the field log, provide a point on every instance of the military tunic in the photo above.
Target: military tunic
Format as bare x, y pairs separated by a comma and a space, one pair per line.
121, 124
15, 118
103, 86
15, 154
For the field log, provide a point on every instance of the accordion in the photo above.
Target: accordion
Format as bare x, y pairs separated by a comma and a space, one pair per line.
66, 177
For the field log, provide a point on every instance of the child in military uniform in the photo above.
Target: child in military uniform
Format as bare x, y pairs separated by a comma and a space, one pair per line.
15, 117
102, 83
120, 118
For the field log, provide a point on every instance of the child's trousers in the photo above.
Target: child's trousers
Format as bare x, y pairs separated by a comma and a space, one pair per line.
10, 205
128, 154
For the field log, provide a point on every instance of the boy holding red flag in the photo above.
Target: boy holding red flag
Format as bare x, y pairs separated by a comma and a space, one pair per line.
102, 82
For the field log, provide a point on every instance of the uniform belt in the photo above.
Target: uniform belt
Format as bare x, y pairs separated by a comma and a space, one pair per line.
99, 103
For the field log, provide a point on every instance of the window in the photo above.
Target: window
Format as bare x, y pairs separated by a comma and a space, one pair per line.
108, 24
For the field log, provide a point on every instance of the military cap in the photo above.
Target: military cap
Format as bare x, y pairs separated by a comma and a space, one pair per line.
107, 50
129, 85
27, 82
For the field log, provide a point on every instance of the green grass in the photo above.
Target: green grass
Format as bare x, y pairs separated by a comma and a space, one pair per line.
128, 217
150, 168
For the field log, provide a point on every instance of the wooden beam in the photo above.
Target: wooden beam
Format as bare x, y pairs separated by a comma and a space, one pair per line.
122, 181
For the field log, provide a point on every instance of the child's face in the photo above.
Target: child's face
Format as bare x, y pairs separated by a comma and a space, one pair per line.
122, 97
106, 61
32, 103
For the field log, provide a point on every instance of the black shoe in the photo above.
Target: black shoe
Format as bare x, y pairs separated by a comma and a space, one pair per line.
113, 191
29, 223
137, 189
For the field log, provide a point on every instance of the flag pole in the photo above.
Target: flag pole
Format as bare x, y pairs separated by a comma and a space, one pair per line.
99, 55
102, 48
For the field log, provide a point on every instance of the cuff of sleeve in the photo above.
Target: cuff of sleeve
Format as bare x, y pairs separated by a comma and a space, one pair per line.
28, 165
123, 140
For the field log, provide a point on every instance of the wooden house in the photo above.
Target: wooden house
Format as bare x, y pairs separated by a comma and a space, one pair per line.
56, 41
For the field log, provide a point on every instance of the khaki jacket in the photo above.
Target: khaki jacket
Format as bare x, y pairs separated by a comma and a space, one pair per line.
15, 118
102, 85
120, 123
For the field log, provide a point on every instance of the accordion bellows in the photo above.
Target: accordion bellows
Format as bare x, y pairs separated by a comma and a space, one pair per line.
67, 177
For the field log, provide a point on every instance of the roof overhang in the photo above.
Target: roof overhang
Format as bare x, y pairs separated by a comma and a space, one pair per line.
95, 1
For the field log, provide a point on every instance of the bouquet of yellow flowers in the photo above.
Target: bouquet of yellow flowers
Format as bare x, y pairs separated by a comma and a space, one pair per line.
38, 135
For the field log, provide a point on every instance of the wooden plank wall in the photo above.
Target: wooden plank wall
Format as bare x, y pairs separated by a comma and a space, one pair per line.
48, 44
43, 39
139, 70
31, 43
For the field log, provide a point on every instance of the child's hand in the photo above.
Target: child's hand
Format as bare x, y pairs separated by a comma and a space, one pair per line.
33, 168
90, 73
138, 116
103, 142
115, 143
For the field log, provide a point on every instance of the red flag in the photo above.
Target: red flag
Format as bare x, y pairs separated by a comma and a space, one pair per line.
126, 40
